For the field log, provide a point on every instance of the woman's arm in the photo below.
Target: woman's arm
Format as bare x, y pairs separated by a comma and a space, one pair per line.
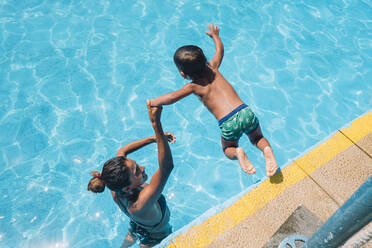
135, 145
150, 194
173, 97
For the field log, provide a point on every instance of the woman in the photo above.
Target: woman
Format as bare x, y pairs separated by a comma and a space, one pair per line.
143, 203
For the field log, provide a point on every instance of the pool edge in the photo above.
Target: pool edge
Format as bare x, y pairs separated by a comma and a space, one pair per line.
206, 229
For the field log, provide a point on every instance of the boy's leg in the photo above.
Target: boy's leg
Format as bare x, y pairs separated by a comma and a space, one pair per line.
263, 144
233, 152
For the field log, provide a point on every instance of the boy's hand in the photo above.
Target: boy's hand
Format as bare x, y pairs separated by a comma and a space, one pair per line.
213, 30
154, 112
153, 103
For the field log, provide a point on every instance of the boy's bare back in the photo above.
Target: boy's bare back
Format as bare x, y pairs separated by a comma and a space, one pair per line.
218, 95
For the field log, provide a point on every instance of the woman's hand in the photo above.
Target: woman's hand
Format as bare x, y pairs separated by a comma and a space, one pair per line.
154, 112
170, 136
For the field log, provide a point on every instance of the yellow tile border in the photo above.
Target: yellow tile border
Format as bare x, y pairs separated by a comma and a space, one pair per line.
359, 128
201, 235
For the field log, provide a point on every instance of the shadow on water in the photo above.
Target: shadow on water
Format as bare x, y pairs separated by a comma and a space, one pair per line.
277, 178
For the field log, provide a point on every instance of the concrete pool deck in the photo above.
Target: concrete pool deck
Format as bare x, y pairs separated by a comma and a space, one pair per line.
321, 180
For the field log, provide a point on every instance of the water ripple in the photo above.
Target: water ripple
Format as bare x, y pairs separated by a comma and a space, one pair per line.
76, 76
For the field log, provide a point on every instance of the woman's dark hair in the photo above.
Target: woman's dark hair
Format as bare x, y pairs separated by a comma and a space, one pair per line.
191, 61
115, 175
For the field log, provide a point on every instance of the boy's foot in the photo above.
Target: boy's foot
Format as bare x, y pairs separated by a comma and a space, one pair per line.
271, 165
245, 164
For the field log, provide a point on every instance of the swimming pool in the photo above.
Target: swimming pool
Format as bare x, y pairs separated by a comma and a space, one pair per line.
75, 76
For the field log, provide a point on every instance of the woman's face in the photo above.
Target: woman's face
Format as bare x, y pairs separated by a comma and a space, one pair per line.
137, 174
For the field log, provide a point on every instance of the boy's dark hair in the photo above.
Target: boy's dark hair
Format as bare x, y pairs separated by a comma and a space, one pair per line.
115, 175
191, 61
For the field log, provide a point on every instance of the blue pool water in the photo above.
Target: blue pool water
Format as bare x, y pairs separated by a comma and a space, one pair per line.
75, 75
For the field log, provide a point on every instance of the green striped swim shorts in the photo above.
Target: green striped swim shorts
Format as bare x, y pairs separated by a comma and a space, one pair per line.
240, 120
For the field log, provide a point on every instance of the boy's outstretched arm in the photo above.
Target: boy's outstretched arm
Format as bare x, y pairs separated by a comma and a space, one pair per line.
214, 34
173, 97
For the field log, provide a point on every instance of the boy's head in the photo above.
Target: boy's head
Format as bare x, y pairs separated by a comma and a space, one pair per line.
190, 61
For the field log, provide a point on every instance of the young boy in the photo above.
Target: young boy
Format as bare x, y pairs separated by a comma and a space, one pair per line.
216, 93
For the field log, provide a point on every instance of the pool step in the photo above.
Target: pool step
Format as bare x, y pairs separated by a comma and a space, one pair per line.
301, 221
